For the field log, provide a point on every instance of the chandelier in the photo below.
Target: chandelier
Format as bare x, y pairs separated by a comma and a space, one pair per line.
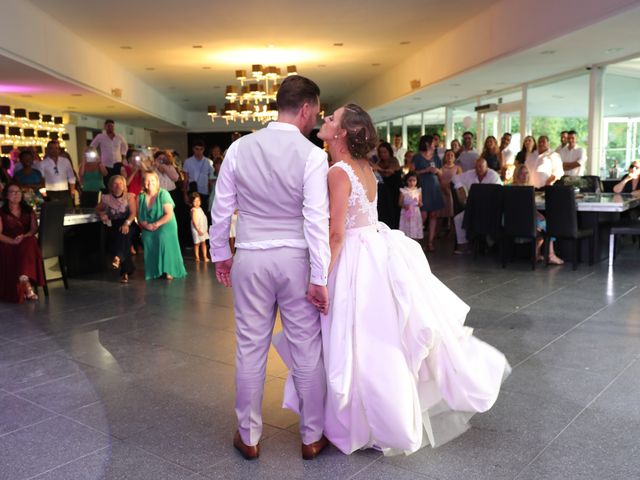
255, 99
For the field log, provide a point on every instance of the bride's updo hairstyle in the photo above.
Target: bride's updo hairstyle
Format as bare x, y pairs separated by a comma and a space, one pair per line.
362, 137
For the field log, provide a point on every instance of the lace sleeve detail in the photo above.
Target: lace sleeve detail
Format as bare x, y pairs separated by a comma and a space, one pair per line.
360, 212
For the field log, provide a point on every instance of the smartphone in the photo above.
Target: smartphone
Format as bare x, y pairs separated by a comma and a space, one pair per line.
91, 157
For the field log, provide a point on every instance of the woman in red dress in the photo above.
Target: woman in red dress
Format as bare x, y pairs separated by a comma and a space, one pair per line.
20, 256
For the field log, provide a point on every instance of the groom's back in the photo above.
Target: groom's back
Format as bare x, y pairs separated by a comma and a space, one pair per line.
270, 166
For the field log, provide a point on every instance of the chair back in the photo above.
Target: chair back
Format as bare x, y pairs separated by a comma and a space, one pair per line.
483, 213
519, 211
561, 212
51, 230
455, 199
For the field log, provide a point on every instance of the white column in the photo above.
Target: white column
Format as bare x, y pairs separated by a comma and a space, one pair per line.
421, 124
448, 126
595, 152
389, 132
405, 138
525, 125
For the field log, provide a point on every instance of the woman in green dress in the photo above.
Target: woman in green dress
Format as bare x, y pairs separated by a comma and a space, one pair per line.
162, 257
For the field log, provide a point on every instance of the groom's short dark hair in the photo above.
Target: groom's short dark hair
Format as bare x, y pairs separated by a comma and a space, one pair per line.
295, 91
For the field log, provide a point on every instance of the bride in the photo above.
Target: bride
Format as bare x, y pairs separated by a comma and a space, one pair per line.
402, 369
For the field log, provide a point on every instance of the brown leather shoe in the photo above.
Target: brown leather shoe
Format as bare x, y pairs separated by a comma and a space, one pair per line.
311, 451
248, 452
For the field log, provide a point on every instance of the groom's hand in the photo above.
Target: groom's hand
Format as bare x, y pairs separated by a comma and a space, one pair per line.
318, 295
223, 271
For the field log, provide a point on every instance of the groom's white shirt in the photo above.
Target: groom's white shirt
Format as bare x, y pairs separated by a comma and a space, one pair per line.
255, 229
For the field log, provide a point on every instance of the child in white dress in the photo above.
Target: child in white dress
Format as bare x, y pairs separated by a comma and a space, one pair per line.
410, 202
199, 228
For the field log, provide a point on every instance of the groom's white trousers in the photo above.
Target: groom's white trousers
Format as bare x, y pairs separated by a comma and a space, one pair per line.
264, 280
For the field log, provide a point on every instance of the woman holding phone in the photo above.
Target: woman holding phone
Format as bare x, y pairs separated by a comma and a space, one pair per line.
91, 174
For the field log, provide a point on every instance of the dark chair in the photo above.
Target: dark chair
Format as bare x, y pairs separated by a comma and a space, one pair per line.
623, 227
561, 213
519, 219
483, 214
51, 237
458, 207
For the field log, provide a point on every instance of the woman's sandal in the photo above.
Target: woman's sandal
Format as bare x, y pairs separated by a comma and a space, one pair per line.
29, 294
115, 263
553, 260
124, 278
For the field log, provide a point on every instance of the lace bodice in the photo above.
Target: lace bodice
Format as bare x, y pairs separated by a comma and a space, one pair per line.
360, 211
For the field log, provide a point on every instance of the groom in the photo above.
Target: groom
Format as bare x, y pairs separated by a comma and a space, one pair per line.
277, 179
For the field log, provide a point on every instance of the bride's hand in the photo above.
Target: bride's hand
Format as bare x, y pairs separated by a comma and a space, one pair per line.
318, 296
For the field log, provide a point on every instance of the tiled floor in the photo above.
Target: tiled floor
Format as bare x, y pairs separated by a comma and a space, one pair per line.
136, 382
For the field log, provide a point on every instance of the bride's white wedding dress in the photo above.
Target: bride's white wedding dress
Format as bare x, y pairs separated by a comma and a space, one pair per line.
402, 369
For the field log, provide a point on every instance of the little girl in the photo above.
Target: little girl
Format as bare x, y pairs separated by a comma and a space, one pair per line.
198, 228
449, 170
411, 201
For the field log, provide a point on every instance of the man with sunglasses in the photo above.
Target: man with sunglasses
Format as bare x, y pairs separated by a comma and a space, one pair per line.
59, 179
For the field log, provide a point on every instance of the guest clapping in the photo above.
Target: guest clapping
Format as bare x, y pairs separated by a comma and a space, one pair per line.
20, 256
162, 257
117, 210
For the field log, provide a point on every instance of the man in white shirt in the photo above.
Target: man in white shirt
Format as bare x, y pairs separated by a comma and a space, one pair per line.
198, 172
398, 149
563, 140
59, 178
277, 180
573, 157
111, 145
506, 156
545, 168
468, 156
462, 184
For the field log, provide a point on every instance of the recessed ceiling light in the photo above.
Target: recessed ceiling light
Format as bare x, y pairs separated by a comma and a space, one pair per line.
217, 86
196, 46
547, 52
454, 84
150, 68
339, 44
375, 64
405, 42
126, 47
613, 105
613, 50
321, 65
416, 98
71, 108
76, 94
270, 45
206, 68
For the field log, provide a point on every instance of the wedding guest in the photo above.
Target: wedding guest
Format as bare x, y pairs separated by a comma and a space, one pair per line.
389, 168
449, 170
28, 177
528, 148
462, 184
545, 168
162, 257
631, 181
428, 171
573, 157
490, 153
408, 165
468, 156
59, 177
197, 174
164, 165
91, 173
111, 145
20, 256
456, 147
117, 210
199, 228
410, 201
564, 138
132, 169
505, 156
399, 151
521, 177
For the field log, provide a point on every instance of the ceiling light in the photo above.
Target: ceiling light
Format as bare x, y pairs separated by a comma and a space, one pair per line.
416, 98
126, 47
196, 46
613, 50
547, 52
375, 64
321, 65
613, 105
405, 42
338, 44
206, 68
150, 68
76, 94
454, 84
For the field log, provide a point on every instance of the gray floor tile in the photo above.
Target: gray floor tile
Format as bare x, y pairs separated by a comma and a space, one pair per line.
46, 445
385, 471
16, 413
13, 352
35, 372
118, 462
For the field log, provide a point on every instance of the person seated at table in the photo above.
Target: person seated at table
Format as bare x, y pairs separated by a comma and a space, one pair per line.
162, 256
117, 210
545, 168
462, 184
91, 173
521, 177
20, 256
630, 183
28, 177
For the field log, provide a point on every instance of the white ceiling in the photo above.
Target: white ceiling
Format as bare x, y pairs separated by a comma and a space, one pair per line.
162, 33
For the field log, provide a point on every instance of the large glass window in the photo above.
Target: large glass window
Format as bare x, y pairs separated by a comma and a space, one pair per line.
381, 129
621, 133
414, 130
464, 119
558, 106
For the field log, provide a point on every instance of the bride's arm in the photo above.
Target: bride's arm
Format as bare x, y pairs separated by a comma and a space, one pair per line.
339, 190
